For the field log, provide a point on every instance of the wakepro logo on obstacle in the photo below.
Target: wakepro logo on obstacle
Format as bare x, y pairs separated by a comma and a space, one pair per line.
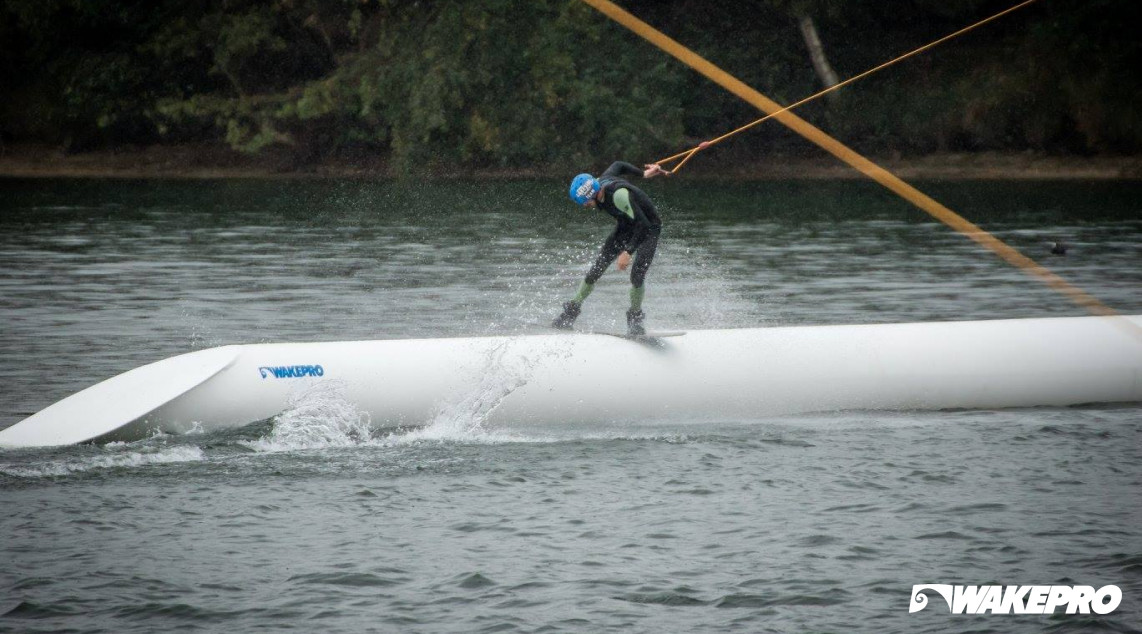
1019, 599
291, 371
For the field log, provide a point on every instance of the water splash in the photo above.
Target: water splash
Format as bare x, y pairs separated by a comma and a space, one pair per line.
689, 287
318, 416
465, 418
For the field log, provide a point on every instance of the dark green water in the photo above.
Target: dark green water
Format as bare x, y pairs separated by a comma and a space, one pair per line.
789, 524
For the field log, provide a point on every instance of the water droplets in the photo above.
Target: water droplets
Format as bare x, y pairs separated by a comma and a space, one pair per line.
318, 416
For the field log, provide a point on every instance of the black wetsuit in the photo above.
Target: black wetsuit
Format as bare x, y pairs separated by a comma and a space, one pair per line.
638, 224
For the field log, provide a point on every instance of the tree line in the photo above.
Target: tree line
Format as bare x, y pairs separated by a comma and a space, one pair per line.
517, 83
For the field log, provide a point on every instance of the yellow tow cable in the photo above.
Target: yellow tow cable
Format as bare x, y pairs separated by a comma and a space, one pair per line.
687, 154
860, 163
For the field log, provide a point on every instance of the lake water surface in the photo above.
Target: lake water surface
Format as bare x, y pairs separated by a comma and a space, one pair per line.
310, 522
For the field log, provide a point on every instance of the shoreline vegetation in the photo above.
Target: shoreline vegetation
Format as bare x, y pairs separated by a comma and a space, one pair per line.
503, 89
217, 161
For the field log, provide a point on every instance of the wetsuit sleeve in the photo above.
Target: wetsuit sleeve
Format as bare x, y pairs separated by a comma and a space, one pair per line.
618, 169
629, 205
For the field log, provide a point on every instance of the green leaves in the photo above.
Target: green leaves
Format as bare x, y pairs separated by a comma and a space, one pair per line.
502, 84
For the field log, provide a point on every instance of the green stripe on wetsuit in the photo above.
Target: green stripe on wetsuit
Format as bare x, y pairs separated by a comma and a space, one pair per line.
585, 289
622, 201
636, 295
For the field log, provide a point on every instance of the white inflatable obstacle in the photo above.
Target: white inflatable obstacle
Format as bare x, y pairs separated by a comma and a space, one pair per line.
575, 378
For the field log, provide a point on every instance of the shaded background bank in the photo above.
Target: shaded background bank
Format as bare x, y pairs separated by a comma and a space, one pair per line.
429, 86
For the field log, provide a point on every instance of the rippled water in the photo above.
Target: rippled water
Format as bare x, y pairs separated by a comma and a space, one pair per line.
315, 521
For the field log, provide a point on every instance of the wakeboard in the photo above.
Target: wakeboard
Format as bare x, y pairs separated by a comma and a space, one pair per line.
651, 338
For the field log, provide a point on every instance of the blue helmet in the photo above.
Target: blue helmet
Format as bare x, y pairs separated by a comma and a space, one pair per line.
583, 188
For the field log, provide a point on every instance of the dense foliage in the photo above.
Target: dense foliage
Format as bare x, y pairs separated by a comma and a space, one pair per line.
501, 83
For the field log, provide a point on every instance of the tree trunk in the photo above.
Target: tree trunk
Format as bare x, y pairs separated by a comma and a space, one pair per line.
817, 53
